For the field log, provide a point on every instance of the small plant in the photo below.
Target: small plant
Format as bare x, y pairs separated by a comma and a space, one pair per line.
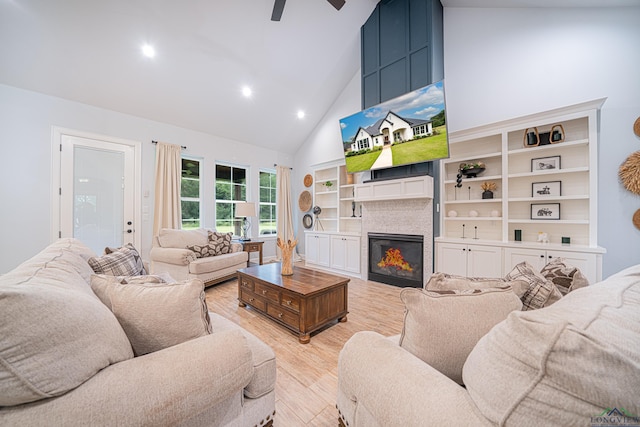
328, 184
489, 186
475, 165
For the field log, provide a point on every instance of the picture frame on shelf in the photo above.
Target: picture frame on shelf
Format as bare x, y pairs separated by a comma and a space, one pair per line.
546, 189
541, 164
545, 211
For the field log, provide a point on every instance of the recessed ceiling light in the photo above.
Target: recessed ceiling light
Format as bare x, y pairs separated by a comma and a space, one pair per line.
300, 114
246, 91
148, 51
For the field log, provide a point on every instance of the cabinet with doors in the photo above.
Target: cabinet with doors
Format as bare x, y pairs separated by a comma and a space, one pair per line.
317, 249
545, 169
345, 253
471, 260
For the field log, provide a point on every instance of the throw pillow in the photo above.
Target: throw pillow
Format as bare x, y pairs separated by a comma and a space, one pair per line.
119, 263
539, 292
221, 242
442, 327
145, 278
136, 256
156, 316
203, 251
564, 364
565, 276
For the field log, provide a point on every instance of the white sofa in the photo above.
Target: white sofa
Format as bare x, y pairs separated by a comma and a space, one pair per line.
170, 254
66, 360
573, 363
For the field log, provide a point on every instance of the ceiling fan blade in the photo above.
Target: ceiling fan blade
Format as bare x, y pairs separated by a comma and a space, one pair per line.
278, 7
337, 3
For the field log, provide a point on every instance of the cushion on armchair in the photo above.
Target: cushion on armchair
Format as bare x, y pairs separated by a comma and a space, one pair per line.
221, 242
442, 327
56, 334
539, 292
119, 263
565, 363
156, 315
565, 276
173, 238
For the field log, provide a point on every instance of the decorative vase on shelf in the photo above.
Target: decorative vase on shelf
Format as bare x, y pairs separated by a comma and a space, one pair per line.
487, 194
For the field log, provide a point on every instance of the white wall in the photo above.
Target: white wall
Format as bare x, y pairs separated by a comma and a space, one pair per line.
26, 119
504, 63
323, 145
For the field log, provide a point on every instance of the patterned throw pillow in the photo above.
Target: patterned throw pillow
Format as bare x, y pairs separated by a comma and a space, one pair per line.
221, 242
136, 256
203, 251
565, 276
539, 293
119, 263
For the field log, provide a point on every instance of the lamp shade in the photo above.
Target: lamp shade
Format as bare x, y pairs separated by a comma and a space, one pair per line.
245, 209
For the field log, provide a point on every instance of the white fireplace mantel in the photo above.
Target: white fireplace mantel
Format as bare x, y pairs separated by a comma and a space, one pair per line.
420, 187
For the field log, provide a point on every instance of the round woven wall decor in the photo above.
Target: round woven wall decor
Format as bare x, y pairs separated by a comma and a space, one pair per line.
636, 127
636, 219
629, 173
304, 201
308, 180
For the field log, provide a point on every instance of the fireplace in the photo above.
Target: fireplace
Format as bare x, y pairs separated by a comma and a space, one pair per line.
396, 259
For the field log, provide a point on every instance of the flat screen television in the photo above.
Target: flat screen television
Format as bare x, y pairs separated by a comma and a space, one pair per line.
411, 128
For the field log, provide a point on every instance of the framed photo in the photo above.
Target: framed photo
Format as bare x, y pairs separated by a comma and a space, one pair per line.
545, 210
545, 163
546, 189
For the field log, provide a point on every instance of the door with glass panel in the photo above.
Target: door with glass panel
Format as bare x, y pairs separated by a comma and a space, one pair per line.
97, 192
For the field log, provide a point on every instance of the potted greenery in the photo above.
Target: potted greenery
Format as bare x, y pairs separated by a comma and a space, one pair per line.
471, 170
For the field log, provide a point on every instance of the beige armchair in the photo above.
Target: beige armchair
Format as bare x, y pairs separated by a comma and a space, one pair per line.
175, 252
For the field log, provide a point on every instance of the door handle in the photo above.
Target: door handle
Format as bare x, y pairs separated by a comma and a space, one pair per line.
129, 231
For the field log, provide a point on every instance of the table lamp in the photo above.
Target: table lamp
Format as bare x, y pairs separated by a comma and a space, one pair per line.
245, 210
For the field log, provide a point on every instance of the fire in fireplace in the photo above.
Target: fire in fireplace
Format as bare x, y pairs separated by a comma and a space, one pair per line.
396, 259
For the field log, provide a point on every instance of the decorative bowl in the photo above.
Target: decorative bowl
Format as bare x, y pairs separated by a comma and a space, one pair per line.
472, 172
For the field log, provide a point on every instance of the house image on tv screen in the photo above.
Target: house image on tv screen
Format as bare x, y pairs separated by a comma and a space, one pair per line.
408, 129
391, 128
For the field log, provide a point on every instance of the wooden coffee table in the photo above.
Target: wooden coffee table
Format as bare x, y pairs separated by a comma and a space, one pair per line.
304, 302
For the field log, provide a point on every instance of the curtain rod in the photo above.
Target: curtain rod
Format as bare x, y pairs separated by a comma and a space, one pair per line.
182, 146
275, 164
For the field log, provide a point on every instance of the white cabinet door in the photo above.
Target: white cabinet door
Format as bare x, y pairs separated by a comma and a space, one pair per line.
484, 261
345, 253
324, 248
338, 252
451, 258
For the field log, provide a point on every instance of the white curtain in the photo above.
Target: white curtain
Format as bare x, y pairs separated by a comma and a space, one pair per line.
284, 209
167, 211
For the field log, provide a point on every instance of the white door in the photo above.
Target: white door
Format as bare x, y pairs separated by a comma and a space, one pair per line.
97, 192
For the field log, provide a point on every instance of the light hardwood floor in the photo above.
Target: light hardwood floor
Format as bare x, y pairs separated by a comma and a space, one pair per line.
306, 385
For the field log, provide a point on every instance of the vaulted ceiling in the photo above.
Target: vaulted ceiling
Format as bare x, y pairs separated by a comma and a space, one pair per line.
206, 51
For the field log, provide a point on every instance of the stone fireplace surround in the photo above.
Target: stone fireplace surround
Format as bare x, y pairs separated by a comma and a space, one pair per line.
402, 209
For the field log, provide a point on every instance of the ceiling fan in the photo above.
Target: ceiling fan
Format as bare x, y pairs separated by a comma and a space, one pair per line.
278, 7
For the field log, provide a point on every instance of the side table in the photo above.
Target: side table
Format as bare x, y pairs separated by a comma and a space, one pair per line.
252, 246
